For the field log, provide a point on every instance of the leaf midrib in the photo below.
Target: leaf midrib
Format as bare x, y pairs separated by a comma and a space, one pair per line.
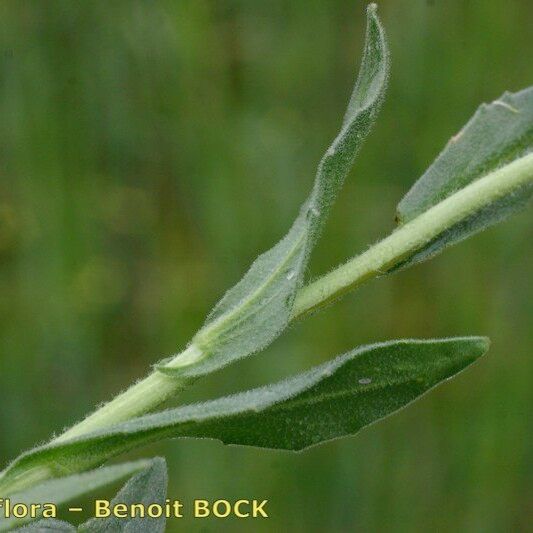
220, 323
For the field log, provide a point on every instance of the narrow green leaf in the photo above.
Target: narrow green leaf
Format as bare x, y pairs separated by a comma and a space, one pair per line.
257, 309
332, 400
146, 488
64, 489
497, 134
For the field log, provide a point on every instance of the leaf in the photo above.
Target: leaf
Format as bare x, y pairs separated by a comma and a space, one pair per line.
497, 134
64, 489
332, 400
146, 488
46, 526
257, 309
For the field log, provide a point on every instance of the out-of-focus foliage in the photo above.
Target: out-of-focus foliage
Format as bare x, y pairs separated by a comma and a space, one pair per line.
141, 148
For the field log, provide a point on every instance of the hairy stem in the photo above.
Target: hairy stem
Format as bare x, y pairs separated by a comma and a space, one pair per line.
137, 400
412, 236
157, 387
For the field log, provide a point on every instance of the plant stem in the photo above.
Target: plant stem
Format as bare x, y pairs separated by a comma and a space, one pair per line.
157, 387
412, 236
137, 400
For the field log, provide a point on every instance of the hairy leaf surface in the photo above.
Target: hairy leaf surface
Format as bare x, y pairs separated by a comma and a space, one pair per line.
48, 525
497, 134
332, 400
146, 488
257, 309
64, 489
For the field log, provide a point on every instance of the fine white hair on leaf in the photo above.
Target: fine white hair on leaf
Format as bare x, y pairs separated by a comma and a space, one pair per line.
258, 308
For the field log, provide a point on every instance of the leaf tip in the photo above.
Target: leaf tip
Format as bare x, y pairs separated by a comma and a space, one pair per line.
476, 346
372, 8
483, 343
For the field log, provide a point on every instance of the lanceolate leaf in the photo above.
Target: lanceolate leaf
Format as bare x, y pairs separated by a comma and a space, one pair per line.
332, 400
497, 134
258, 308
62, 490
146, 488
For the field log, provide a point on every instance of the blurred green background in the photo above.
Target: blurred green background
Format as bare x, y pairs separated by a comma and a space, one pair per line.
149, 150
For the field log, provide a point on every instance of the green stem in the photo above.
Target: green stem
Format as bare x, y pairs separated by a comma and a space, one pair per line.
414, 235
157, 387
137, 400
